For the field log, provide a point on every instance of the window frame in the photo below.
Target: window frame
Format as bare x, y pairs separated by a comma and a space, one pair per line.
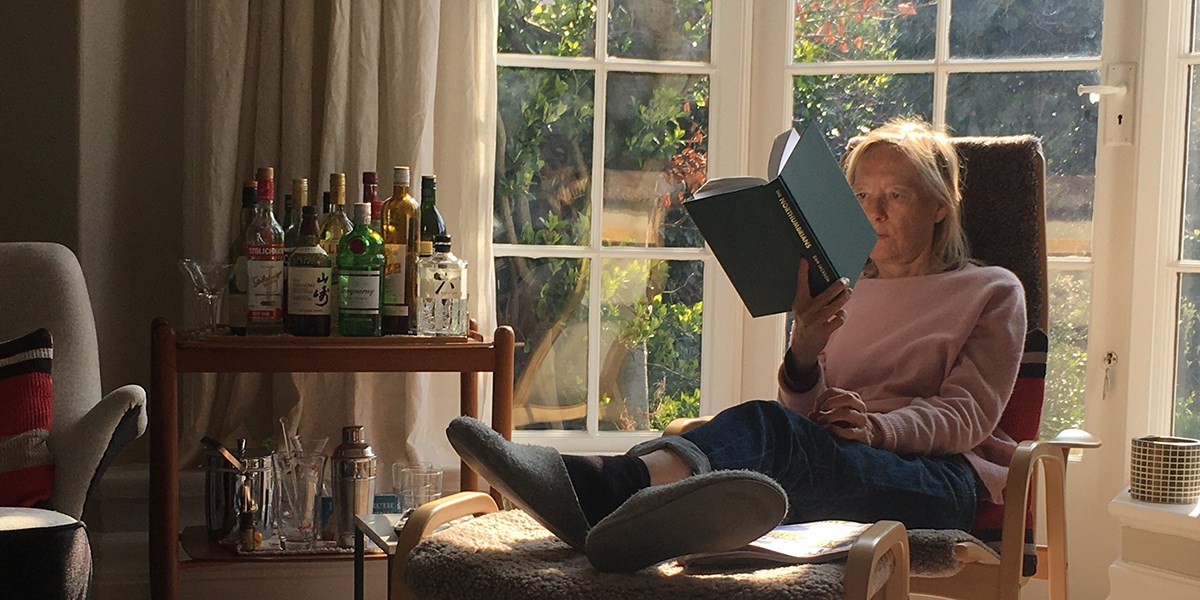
721, 337
1158, 216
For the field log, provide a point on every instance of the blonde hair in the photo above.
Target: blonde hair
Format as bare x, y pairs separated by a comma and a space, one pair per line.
936, 162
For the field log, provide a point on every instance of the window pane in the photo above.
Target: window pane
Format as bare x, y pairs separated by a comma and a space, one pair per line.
660, 29
650, 342
1195, 26
1044, 104
1008, 28
835, 30
1190, 248
541, 27
1187, 353
543, 171
849, 105
656, 155
1066, 368
545, 300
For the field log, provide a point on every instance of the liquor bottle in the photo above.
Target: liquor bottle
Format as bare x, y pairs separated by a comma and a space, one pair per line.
290, 223
401, 234
360, 264
238, 284
442, 292
294, 204
309, 282
326, 207
337, 224
264, 262
370, 196
431, 220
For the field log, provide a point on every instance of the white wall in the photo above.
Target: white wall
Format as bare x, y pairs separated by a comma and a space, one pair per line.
91, 124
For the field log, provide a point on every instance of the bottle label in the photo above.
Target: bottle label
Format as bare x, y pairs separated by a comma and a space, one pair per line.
359, 291
330, 247
309, 291
237, 294
264, 271
446, 284
393, 280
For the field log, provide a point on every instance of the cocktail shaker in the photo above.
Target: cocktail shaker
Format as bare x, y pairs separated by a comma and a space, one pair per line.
354, 465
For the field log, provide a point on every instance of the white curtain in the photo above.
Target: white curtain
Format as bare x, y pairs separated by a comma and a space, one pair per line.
313, 87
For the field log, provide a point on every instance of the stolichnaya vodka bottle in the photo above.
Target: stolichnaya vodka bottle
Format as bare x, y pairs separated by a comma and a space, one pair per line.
264, 262
442, 292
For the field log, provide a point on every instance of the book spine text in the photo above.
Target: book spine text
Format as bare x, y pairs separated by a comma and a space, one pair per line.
814, 254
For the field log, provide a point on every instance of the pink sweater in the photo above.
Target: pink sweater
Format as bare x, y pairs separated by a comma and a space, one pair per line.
934, 358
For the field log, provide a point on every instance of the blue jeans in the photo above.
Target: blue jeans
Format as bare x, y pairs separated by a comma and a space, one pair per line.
826, 477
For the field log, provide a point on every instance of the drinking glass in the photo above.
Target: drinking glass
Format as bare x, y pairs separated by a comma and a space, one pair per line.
209, 280
418, 485
297, 496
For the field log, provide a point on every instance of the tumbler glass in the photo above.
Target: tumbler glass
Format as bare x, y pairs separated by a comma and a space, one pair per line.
298, 496
419, 485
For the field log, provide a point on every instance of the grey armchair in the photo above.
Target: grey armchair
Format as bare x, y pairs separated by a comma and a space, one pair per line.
46, 288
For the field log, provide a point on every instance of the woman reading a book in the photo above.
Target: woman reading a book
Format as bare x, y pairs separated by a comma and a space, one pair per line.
888, 405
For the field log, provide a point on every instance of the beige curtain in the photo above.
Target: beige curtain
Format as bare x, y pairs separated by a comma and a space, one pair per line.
319, 86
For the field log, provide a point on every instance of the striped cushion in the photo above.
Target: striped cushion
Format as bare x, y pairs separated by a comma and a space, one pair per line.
1021, 420
26, 468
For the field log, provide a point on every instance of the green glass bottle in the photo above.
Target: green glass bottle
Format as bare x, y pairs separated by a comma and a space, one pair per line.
432, 224
360, 263
309, 283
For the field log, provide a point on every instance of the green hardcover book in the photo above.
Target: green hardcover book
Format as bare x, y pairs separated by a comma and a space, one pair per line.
759, 230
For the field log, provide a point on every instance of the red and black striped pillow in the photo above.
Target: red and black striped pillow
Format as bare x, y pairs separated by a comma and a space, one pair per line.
26, 401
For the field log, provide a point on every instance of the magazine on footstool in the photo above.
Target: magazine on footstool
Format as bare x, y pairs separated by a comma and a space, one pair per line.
798, 543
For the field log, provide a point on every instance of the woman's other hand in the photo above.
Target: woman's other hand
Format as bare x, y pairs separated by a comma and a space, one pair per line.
814, 319
844, 414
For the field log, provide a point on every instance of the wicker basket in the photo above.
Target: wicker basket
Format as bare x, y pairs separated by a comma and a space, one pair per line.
1165, 470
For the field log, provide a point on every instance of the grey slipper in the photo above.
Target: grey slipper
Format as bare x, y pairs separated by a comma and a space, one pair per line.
711, 512
533, 477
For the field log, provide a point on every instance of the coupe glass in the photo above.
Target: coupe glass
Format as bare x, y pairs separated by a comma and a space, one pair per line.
209, 280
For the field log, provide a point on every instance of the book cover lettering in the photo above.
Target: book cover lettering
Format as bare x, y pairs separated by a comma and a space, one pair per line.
759, 230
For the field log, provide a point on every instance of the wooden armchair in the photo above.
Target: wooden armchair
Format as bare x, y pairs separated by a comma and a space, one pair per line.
1003, 212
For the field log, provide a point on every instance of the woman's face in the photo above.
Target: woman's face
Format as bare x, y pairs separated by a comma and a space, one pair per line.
889, 189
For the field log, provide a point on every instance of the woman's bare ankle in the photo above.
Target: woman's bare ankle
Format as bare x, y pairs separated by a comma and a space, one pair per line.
665, 466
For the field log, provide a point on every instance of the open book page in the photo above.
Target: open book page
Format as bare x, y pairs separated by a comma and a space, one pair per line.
781, 149
725, 185
799, 543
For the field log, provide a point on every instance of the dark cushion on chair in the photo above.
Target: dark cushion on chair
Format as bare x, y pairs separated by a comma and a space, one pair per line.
1002, 209
43, 554
26, 404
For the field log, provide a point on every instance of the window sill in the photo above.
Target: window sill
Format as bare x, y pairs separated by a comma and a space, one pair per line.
1180, 520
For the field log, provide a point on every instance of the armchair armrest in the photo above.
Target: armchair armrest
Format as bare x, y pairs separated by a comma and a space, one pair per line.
1073, 438
1052, 456
427, 518
683, 424
876, 543
83, 452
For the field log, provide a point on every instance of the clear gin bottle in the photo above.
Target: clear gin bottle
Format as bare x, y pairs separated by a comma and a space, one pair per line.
442, 292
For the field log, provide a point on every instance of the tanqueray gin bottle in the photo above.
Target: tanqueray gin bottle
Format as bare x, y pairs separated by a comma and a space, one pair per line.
442, 292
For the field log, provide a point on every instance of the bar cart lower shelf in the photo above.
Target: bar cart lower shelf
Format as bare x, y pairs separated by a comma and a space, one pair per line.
172, 354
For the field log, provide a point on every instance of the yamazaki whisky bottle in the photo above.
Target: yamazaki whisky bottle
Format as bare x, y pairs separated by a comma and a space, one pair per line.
309, 282
264, 262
